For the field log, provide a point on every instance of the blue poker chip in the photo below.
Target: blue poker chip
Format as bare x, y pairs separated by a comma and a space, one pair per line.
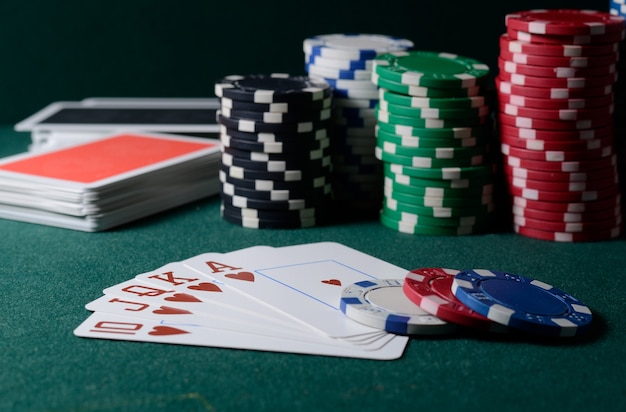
522, 303
341, 64
352, 84
330, 73
354, 46
382, 304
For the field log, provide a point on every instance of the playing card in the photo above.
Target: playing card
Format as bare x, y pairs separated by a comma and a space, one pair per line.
304, 281
105, 161
300, 287
175, 279
113, 180
117, 327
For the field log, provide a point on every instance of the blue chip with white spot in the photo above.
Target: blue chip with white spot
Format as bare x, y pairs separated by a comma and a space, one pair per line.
355, 46
522, 303
382, 304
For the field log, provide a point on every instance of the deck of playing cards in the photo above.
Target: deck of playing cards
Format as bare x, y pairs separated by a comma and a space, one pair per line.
259, 298
65, 123
109, 181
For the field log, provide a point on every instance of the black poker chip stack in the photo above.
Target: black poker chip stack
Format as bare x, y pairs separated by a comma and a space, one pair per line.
276, 166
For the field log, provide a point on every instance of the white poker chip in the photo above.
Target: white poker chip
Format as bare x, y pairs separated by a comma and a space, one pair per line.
382, 304
354, 46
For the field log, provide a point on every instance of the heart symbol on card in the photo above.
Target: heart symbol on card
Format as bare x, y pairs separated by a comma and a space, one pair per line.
168, 310
166, 330
247, 276
335, 282
205, 287
182, 297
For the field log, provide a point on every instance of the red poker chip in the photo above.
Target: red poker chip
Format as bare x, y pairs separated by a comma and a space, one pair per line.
559, 61
555, 236
555, 104
543, 124
565, 197
564, 22
556, 50
557, 155
571, 227
554, 72
606, 173
569, 207
553, 82
565, 145
430, 289
561, 114
567, 217
556, 135
505, 87
561, 187
568, 166
581, 39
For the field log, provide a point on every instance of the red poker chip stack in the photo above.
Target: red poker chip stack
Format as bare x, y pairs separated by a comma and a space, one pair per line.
557, 69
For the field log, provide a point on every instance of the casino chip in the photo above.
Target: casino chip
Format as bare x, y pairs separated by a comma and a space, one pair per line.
433, 134
381, 304
276, 166
273, 88
522, 303
345, 62
565, 22
557, 71
430, 288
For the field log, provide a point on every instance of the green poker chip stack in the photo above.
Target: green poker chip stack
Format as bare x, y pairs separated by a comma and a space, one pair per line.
433, 131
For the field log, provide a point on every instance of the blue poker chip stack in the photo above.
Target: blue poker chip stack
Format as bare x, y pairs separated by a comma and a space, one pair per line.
345, 62
276, 166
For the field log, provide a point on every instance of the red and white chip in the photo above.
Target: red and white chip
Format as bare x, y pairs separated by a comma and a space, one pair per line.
564, 22
431, 290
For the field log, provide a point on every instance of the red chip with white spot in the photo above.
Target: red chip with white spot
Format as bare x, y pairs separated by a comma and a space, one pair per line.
430, 289
564, 21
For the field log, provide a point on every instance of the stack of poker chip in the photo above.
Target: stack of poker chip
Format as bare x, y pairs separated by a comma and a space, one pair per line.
432, 136
435, 301
557, 69
276, 168
345, 61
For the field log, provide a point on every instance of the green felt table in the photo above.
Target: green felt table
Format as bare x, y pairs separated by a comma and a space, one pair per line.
48, 274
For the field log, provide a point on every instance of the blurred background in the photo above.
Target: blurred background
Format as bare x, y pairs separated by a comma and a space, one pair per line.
71, 49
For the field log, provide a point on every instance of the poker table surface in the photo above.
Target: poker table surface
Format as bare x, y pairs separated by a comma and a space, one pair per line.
48, 274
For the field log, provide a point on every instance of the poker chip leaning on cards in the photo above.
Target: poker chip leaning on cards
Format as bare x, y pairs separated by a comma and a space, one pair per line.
381, 304
522, 303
